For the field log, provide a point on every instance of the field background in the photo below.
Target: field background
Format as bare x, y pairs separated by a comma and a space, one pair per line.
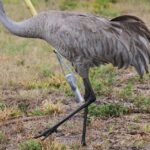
34, 94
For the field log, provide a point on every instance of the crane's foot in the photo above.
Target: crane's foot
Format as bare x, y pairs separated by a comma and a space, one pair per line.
46, 133
83, 143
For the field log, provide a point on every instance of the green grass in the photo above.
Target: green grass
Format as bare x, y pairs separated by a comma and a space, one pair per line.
3, 139
103, 79
127, 92
102, 7
107, 110
146, 128
46, 72
105, 7
142, 103
2, 106
30, 145
14, 48
37, 112
10, 1
47, 108
23, 107
68, 4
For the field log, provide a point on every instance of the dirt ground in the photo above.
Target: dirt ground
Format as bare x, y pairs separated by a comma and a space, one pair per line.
19, 73
120, 133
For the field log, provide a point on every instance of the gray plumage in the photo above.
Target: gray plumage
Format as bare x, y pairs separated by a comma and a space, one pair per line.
87, 40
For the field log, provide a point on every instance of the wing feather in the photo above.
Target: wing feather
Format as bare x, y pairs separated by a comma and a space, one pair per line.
122, 41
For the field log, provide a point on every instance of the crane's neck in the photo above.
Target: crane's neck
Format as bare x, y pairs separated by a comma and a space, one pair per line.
31, 28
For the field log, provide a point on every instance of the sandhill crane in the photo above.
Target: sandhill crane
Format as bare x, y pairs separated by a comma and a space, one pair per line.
87, 40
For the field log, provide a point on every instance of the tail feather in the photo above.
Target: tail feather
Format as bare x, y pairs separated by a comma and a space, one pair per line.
140, 45
134, 24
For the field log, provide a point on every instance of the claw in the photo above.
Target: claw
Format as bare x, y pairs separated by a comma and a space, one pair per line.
46, 133
40, 135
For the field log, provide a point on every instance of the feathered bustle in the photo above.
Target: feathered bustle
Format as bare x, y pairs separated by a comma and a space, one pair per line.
140, 41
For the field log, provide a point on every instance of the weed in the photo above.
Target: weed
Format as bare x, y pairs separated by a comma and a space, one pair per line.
55, 81
2, 106
139, 144
35, 2
127, 91
23, 107
102, 79
9, 1
132, 128
142, 103
3, 139
49, 107
68, 4
104, 7
15, 113
111, 128
30, 145
20, 62
37, 85
37, 112
107, 110
52, 144
75, 146
146, 128
46, 72
13, 49
8, 113
137, 118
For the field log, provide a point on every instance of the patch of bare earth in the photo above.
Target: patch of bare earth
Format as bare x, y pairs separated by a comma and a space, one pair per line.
121, 133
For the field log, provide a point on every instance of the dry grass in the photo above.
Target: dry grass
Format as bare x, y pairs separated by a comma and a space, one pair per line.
52, 144
9, 113
33, 87
50, 108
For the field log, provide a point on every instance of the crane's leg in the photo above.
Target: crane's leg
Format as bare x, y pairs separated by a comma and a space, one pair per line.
83, 142
89, 94
90, 99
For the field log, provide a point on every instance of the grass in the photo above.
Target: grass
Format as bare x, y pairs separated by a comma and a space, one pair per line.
30, 74
142, 103
3, 138
127, 91
9, 113
146, 128
102, 79
47, 108
37, 112
108, 110
68, 4
30, 145
51, 108
2, 106
105, 7
23, 107
49, 144
52, 144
